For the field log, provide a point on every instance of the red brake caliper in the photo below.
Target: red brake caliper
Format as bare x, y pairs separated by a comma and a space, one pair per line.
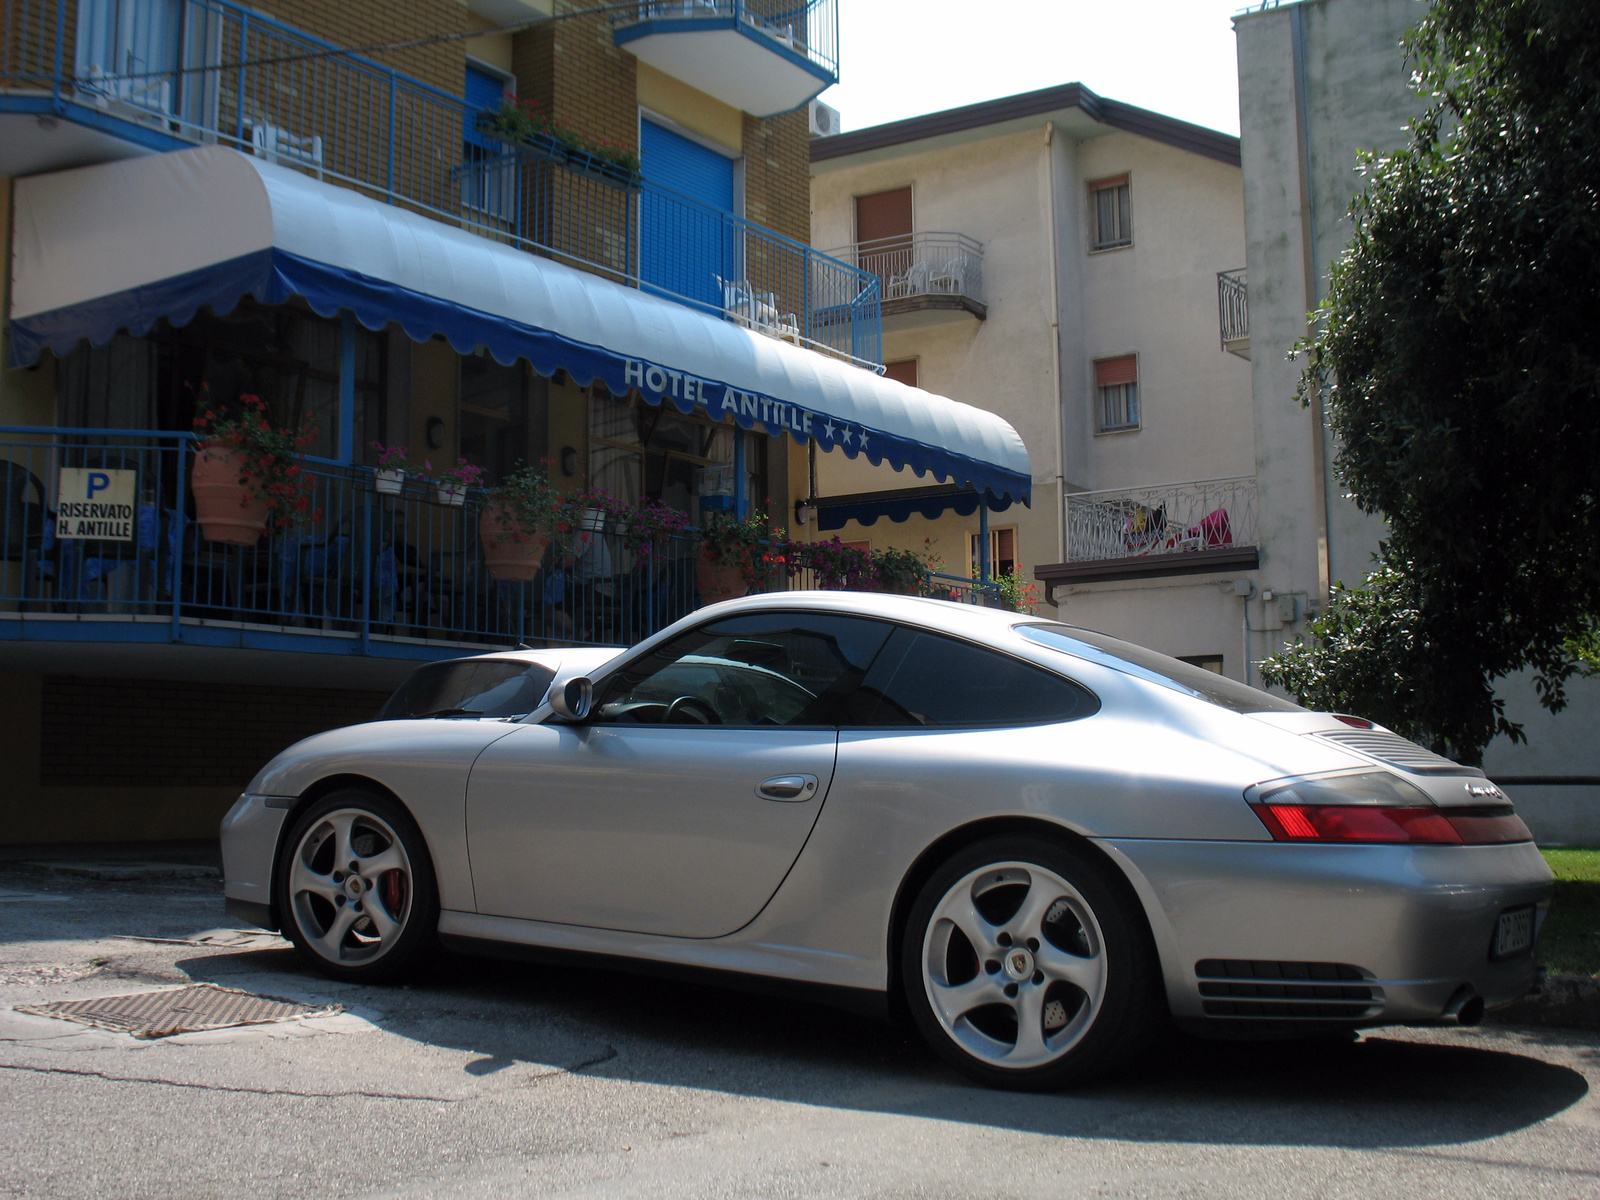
391, 883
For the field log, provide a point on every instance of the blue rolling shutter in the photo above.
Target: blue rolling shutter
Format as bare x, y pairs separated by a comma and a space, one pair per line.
684, 248
483, 91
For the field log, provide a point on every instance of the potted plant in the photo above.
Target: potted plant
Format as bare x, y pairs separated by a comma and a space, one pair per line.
901, 572
646, 526
247, 474
524, 124
523, 516
389, 476
450, 484
736, 555
836, 567
1016, 593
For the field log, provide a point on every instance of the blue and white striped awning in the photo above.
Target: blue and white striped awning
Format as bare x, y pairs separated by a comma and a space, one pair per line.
121, 245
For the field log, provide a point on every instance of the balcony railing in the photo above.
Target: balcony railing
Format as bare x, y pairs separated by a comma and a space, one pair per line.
807, 27
921, 264
369, 568
1233, 312
1172, 518
171, 73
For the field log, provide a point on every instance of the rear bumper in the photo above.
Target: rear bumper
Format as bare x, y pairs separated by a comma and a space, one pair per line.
1248, 930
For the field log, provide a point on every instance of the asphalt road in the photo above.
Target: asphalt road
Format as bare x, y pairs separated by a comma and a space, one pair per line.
486, 1078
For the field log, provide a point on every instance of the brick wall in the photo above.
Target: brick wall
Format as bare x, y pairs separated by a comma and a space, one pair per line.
580, 77
146, 733
777, 174
355, 23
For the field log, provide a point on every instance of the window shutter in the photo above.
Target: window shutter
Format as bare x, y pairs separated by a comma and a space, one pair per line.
1108, 372
883, 215
904, 371
484, 93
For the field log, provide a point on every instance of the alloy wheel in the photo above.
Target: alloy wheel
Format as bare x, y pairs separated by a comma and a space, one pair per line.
1014, 965
351, 887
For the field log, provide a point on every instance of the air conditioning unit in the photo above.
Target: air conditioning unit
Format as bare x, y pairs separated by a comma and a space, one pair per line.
824, 120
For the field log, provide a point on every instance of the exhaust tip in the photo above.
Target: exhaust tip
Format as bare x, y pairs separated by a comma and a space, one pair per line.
1465, 1007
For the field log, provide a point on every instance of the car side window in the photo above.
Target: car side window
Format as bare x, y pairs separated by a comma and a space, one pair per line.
469, 688
927, 679
761, 669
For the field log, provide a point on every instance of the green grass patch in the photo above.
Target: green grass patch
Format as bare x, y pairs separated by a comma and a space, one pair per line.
1569, 944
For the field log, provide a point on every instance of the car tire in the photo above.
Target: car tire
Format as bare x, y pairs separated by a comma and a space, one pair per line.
1026, 964
356, 889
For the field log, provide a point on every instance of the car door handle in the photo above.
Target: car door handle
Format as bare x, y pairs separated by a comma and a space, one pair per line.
788, 787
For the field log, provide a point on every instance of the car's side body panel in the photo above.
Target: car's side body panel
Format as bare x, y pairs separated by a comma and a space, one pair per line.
423, 762
649, 828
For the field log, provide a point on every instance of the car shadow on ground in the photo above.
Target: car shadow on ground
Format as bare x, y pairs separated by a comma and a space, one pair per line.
1380, 1092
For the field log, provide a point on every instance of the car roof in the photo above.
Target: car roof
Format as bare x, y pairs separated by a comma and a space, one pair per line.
963, 620
555, 658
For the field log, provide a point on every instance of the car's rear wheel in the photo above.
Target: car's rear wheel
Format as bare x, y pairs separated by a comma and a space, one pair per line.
356, 887
1025, 965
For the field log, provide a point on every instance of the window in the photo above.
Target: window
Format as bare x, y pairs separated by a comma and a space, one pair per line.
639, 451
883, 235
1002, 552
763, 669
504, 415
902, 371
1206, 662
1116, 383
1111, 213
489, 175
925, 679
1156, 668
470, 688
285, 354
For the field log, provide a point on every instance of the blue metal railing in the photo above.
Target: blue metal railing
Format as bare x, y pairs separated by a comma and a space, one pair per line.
175, 73
366, 566
808, 27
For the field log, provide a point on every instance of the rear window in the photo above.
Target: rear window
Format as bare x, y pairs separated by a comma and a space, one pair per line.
470, 688
1156, 668
925, 679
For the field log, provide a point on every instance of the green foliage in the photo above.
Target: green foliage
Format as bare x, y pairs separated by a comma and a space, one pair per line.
1017, 594
1458, 361
1569, 943
525, 120
269, 456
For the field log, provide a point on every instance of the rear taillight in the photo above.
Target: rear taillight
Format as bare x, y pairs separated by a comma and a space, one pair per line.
1382, 823
1375, 806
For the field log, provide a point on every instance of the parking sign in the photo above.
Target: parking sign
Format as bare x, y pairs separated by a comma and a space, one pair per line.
96, 504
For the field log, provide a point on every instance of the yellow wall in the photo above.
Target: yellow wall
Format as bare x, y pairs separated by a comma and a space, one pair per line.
27, 397
435, 378
691, 108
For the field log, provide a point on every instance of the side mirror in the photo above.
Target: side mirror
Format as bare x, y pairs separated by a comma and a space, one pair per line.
573, 699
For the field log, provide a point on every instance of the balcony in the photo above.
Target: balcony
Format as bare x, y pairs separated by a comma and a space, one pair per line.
1168, 529
79, 86
763, 57
397, 576
927, 278
1233, 312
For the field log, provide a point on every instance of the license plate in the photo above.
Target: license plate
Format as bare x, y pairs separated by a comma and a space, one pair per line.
1515, 933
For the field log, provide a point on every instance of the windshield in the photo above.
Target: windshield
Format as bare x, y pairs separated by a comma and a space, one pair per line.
469, 687
1156, 668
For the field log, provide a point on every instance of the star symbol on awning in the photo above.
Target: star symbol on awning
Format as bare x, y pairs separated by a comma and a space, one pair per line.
827, 430
863, 439
847, 435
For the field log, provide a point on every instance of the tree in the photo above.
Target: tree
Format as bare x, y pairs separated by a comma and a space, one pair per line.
1458, 355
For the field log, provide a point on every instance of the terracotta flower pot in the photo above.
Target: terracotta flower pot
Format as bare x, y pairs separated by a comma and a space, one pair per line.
514, 557
227, 510
718, 580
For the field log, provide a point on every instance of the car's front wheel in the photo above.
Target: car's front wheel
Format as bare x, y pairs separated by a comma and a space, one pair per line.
356, 887
1025, 965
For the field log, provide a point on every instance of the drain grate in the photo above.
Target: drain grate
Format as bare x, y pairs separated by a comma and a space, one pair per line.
179, 1010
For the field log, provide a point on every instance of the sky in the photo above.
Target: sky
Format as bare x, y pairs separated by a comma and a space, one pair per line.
902, 58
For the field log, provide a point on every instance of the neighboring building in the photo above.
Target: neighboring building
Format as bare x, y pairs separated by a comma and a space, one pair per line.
1319, 81
207, 199
1054, 257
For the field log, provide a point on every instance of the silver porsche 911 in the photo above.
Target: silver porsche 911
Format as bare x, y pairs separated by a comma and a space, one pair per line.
1038, 842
